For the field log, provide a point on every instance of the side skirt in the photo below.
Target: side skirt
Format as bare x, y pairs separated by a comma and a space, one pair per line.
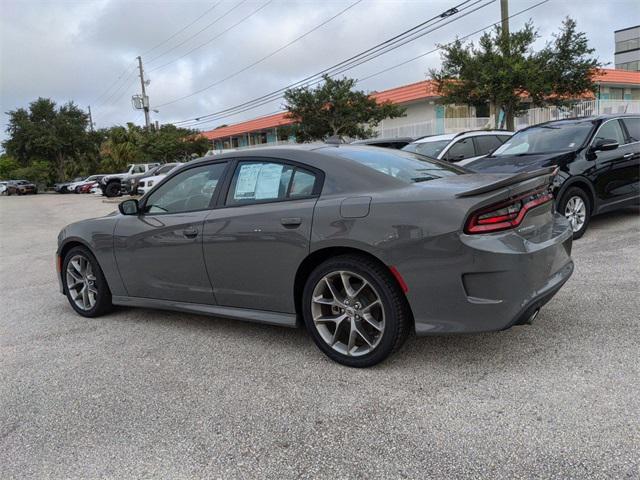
258, 316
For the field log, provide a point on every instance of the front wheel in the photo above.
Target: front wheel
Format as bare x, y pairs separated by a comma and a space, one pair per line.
355, 311
84, 283
576, 207
112, 189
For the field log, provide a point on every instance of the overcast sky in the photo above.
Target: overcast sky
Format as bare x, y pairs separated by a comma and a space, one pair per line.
78, 50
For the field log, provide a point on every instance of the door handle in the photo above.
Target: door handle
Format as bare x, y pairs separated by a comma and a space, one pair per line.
627, 155
291, 221
190, 232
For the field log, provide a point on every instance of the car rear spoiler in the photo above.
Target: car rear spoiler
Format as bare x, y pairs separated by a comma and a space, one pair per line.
549, 172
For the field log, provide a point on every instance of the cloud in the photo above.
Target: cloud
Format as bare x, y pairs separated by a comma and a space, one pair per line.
75, 50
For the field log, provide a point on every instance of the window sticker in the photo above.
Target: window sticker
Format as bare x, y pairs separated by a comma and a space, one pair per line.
246, 183
268, 184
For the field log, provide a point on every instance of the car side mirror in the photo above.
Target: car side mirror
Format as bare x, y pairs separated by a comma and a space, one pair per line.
129, 207
605, 144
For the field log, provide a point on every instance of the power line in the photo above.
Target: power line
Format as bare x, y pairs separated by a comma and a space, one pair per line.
129, 80
181, 30
397, 65
209, 25
269, 100
104, 92
189, 52
388, 45
244, 69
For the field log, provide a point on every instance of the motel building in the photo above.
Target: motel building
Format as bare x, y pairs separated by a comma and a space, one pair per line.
618, 92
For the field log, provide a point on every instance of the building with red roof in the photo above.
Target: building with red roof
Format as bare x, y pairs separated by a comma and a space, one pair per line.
422, 109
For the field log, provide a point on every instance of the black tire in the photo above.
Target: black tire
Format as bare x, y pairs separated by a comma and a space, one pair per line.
396, 309
112, 189
572, 193
103, 303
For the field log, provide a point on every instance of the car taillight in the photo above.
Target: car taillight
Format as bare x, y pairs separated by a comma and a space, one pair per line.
506, 215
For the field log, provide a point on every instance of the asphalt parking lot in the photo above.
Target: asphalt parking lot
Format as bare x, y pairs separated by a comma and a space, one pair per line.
151, 394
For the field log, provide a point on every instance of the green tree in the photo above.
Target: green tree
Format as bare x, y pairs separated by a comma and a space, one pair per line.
8, 165
335, 108
47, 133
503, 69
120, 148
171, 143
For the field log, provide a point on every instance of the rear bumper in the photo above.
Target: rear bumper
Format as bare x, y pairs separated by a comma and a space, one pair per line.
487, 282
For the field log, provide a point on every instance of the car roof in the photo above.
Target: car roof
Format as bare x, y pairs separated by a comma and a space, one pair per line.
465, 134
592, 119
368, 141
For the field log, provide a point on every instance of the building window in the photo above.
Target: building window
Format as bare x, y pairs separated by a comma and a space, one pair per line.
631, 66
626, 45
616, 93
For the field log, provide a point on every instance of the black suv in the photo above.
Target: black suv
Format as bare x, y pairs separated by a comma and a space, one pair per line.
598, 157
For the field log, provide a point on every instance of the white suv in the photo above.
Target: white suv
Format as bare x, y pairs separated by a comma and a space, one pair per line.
148, 183
459, 148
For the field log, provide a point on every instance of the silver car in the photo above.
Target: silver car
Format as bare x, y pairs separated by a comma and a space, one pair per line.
362, 245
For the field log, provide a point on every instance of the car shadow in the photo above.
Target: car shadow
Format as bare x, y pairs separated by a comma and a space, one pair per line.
612, 219
520, 344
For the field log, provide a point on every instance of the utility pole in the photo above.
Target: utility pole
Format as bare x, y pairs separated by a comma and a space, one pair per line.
145, 99
90, 118
504, 18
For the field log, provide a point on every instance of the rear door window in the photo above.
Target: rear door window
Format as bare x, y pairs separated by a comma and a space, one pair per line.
461, 150
486, 144
260, 182
633, 127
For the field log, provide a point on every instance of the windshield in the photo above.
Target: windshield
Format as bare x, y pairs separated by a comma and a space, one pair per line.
546, 139
401, 165
430, 149
166, 168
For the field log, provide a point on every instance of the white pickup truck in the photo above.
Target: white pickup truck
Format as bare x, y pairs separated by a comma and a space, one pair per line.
110, 184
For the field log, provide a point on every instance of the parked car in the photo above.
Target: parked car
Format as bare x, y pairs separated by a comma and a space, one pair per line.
598, 160
395, 142
7, 188
87, 187
147, 183
111, 184
362, 244
459, 148
63, 187
75, 187
24, 187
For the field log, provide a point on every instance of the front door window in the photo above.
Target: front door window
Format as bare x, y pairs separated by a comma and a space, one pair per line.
188, 191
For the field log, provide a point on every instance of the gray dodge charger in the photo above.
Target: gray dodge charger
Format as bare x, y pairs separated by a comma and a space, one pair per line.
362, 245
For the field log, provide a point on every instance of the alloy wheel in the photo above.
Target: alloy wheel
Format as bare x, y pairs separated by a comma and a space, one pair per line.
576, 212
347, 312
81, 282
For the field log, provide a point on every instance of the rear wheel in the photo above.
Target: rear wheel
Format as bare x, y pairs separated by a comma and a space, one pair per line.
355, 311
84, 283
576, 207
